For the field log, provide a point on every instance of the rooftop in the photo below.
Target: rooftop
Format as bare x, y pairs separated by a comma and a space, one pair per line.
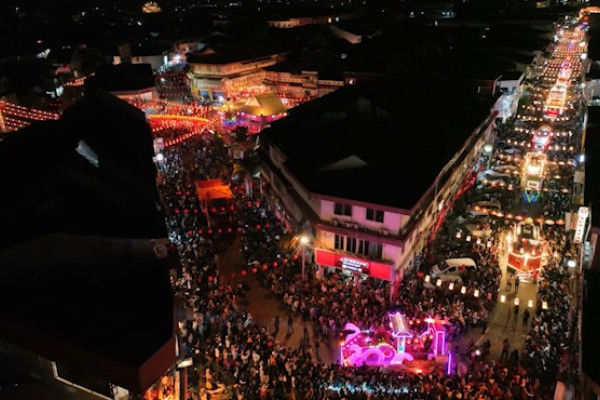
263, 105
592, 163
123, 77
382, 143
324, 63
591, 325
78, 223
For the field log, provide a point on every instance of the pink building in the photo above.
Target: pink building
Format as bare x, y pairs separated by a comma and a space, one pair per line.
373, 173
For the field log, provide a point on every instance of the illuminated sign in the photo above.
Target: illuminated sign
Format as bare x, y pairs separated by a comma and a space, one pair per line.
372, 268
354, 265
582, 216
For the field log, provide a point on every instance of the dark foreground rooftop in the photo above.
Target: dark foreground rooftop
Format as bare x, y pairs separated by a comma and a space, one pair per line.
592, 163
382, 143
80, 283
591, 325
123, 77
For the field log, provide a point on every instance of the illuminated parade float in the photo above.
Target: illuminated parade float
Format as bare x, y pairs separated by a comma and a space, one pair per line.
525, 247
413, 345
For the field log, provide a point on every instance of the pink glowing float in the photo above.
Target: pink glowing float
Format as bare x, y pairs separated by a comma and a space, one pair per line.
396, 346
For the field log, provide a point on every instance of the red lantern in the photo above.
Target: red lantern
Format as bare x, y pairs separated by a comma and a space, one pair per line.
254, 270
275, 264
294, 257
210, 231
200, 231
257, 227
177, 211
243, 272
267, 225
190, 233
285, 260
195, 211
210, 278
219, 230
239, 229
233, 274
229, 230
264, 267
186, 211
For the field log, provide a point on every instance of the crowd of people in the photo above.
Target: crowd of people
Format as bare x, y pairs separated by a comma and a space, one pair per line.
237, 357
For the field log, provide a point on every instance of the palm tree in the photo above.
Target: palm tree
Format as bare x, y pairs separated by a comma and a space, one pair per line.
247, 162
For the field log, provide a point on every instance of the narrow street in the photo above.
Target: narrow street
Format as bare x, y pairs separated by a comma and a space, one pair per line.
263, 306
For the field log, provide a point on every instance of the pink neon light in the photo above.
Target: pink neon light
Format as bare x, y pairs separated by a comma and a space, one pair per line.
357, 350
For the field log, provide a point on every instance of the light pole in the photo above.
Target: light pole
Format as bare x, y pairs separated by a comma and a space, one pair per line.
303, 242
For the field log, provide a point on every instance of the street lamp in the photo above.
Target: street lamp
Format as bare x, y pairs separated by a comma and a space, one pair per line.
303, 242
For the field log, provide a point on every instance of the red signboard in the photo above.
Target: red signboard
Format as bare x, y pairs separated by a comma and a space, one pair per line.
523, 263
350, 263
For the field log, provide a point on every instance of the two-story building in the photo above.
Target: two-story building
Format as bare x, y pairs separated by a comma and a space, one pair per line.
294, 22
214, 74
373, 168
305, 75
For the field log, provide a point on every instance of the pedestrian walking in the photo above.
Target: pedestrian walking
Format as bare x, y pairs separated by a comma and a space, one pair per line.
290, 325
515, 313
514, 357
305, 333
505, 349
517, 281
276, 325
526, 316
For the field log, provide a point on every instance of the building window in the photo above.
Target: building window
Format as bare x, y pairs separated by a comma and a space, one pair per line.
375, 250
374, 215
342, 209
339, 242
351, 245
363, 247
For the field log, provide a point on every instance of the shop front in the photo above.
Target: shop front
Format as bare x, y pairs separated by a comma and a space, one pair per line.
356, 266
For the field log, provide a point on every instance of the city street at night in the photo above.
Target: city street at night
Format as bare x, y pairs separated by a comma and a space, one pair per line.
360, 201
